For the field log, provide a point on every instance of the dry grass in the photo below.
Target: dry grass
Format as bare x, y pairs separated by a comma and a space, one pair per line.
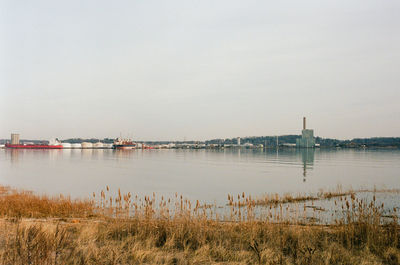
130, 230
19, 204
275, 199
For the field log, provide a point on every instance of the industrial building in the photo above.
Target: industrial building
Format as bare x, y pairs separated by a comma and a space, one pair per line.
14, 138
307, 139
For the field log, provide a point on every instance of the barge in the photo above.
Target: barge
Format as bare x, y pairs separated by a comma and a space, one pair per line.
53, 144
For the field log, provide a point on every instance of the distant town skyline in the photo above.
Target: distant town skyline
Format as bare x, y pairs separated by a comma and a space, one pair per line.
199, 70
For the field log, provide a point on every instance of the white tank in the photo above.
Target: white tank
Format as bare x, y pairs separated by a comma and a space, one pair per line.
76, 146
66, 145
107, 146
86, 145
98, 145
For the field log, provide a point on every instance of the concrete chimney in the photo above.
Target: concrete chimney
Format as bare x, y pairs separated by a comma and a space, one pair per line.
304, 123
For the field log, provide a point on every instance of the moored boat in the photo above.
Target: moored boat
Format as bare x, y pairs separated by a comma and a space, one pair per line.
124, 144
34, 146
53, 144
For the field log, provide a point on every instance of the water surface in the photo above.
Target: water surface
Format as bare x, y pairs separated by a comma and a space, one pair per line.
207, 175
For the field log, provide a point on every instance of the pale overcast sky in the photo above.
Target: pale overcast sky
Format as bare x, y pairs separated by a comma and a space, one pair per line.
199, 69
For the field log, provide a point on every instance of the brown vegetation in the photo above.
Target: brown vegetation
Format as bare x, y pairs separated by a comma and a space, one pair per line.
293, 198
129, 230
15, 203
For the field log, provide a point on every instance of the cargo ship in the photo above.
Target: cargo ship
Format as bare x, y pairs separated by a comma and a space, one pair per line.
124, 144
34, 146
53, 144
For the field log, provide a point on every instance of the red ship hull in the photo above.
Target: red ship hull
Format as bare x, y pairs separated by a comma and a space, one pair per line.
34, 146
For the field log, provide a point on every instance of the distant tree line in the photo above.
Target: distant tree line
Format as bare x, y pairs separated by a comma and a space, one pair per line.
91, 140
272, 141
256, 140
361, 142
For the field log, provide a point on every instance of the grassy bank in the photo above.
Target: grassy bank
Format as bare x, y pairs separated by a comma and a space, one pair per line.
130, 230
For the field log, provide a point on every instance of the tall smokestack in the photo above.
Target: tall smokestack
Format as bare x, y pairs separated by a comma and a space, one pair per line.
304, 123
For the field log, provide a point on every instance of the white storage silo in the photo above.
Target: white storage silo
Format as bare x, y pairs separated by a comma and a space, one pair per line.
86, 145
107, 146
98, 145
76, 146
66, 145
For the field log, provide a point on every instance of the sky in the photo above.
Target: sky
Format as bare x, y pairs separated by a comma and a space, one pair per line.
175, 70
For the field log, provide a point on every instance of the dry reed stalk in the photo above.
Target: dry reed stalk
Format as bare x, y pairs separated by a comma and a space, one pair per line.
25, 204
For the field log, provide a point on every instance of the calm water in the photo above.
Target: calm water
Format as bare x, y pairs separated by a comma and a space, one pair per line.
207, 175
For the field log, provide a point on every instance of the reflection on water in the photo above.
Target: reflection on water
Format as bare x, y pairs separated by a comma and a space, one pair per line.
14, 155
18, 155
307, 156
201, 174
